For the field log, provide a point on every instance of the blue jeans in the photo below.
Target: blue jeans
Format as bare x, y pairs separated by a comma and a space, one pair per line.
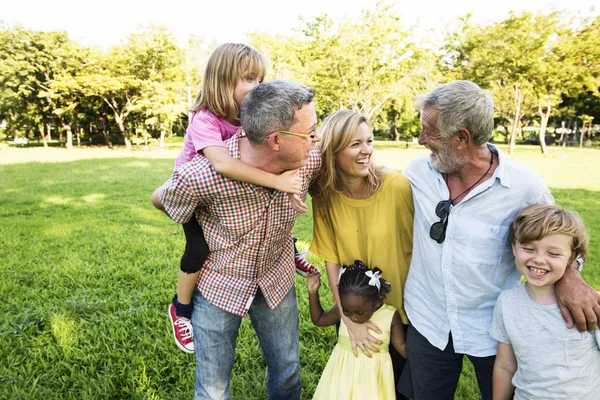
215, 334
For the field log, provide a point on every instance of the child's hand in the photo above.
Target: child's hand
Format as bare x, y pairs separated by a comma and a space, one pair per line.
297, 203
314, 282
289, 182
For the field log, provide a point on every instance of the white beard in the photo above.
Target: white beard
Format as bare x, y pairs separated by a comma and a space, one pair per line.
447, 162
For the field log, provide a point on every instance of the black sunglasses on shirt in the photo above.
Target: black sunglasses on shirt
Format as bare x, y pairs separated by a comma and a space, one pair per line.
438, 230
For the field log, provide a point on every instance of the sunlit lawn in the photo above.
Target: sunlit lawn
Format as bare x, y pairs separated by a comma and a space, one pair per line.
88, 269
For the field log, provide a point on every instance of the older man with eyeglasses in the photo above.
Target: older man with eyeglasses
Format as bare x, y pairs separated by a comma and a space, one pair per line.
466, 193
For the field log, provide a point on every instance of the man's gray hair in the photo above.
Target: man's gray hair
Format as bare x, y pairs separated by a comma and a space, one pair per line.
271, 106
461, 104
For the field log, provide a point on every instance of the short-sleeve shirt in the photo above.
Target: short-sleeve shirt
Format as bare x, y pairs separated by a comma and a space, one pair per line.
453, 286
247, 229
204, 130
553, 362
376, 231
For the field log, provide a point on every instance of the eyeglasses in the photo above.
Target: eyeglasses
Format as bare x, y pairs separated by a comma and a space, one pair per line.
303, 135
438, 230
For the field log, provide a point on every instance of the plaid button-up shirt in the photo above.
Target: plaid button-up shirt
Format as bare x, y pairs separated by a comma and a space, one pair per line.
247, 228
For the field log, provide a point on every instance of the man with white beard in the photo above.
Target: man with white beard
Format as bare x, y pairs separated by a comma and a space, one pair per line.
466, 194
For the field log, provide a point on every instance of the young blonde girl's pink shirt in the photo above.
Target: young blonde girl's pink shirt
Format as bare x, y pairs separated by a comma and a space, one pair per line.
204, 130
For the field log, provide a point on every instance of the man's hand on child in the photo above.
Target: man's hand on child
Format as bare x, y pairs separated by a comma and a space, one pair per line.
289, 182
578, 301
297, 203
314, 282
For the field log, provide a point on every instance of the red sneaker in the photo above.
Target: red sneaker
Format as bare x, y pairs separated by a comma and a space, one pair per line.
182, 331
303, 267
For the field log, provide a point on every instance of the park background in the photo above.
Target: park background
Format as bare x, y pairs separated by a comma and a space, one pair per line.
89, 131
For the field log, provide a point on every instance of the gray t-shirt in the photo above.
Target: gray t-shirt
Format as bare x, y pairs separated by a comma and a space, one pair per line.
553, 362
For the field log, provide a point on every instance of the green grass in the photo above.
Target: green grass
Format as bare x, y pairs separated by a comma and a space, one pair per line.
88, 268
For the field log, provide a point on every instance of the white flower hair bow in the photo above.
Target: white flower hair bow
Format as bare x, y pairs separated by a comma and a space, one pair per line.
342, 270
374, 281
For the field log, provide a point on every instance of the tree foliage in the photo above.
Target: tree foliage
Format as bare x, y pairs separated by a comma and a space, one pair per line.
540, 67
370, 65
49, 80
527, 61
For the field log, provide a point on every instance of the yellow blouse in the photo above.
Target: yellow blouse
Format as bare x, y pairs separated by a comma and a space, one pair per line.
377, 230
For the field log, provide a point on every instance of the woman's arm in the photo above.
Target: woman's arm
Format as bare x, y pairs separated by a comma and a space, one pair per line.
397, 336
359, 333
505, 367
232, 168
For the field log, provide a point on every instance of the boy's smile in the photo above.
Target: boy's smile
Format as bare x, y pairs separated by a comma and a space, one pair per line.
543, 262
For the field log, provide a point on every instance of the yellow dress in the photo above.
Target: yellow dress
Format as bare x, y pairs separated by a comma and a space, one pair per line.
360, 378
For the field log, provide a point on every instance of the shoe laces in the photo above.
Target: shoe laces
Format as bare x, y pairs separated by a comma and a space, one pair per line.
302, 254
184, 327
301, 260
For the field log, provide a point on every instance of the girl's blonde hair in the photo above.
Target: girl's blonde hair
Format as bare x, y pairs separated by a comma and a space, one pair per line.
228, 63
336, 133
540, 220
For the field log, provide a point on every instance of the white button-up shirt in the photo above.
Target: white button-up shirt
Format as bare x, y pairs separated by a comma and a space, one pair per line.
453, 286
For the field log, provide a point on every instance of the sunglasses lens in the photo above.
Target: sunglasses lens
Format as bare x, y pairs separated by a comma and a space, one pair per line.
442, 209
436, 231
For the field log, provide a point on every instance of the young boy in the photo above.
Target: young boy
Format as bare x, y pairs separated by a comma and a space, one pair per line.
538, 357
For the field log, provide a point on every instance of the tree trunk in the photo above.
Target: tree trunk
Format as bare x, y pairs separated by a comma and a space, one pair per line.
163, 132
505, 134
107, 138
513, 133
43, 135
78, 136
121, 124
49, 131
106, 134
544, 124
562, 134
393, 136
67, 128
189, 101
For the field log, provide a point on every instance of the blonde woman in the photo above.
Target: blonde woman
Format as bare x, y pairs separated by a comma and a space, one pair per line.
361, 211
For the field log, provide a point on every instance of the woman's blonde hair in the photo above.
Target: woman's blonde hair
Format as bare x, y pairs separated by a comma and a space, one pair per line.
540, 220
228, 63
336, 133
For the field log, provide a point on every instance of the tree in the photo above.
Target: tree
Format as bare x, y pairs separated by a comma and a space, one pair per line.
62, 89
25, 64
365, 65
520, 55
38, 85
126, 76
